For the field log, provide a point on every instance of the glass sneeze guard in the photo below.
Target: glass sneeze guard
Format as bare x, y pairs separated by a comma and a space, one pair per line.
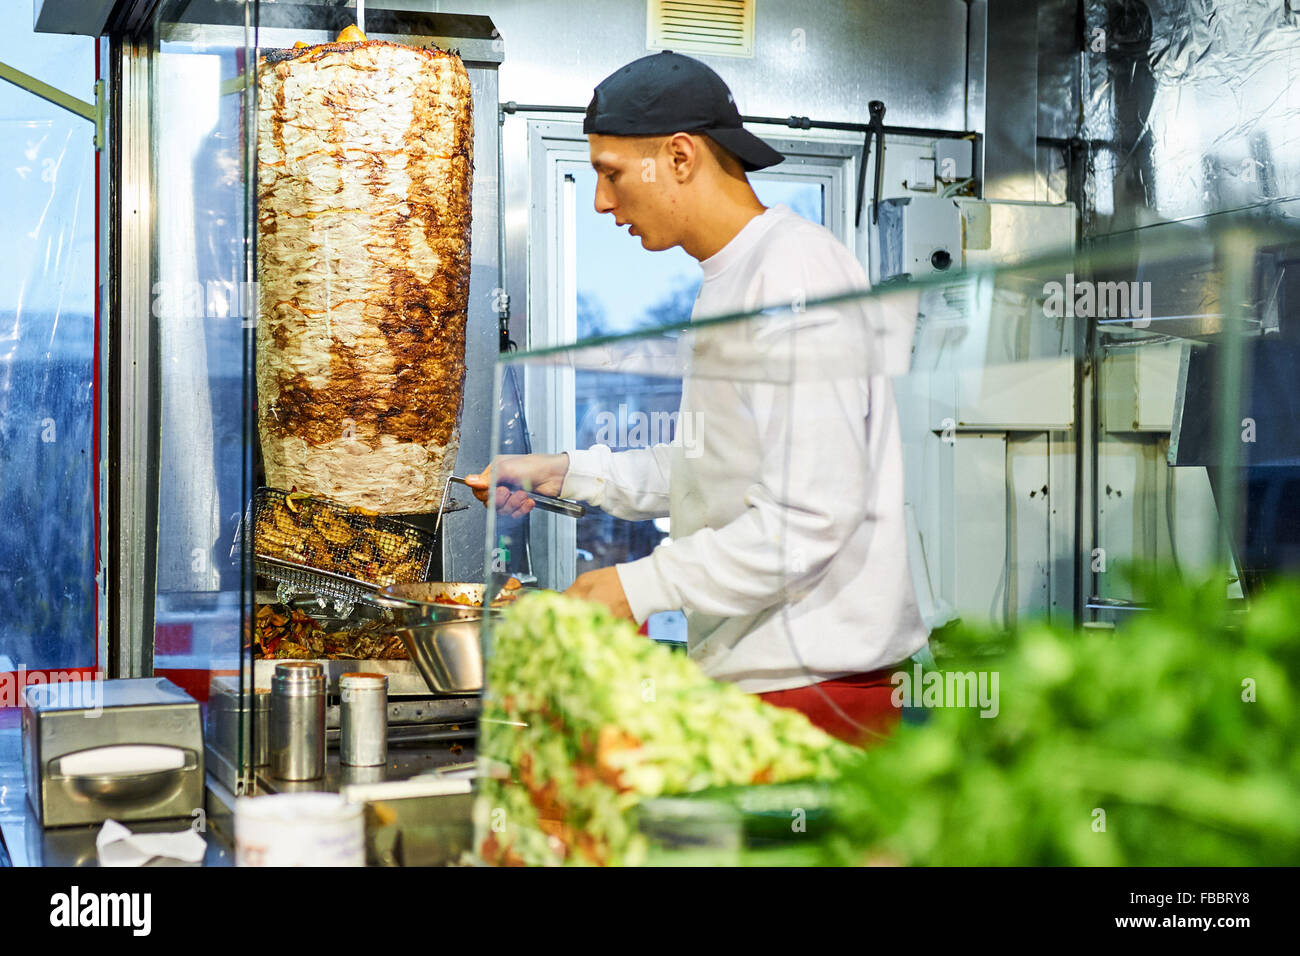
1068, 428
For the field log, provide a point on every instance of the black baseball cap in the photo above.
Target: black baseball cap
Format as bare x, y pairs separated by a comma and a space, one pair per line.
667, 93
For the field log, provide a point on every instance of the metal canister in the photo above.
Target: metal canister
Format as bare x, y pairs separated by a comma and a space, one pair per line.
238, 724
354, 776
261, 727
298, 721
363, 719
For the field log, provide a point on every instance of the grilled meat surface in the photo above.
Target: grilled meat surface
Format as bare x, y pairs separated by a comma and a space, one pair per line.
365, 166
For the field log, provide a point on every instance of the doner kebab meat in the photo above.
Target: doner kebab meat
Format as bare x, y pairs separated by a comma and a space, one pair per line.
365, 163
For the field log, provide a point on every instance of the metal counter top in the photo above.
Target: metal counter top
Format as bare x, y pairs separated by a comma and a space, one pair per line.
404, 763
23, 842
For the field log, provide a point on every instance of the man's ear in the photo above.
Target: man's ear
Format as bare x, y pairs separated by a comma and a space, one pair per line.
683, 155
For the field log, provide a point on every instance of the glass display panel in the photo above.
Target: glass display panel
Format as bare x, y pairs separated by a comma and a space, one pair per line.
1051, 440
204, 314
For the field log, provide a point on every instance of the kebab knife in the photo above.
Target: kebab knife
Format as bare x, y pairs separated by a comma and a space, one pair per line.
563, 506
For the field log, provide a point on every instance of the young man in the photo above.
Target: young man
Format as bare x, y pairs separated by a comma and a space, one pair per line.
788, 551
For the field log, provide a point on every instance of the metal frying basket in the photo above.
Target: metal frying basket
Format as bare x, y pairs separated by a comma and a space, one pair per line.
313, 546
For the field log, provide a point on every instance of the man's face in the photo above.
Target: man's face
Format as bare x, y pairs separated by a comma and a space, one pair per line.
636, 189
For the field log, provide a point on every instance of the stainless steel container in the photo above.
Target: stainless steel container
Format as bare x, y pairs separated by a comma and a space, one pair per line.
449, 655
237, 728
440, 623
261, 727
298, 721
363, 719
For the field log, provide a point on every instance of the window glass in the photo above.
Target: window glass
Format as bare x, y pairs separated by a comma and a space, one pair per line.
47, 305
804, 196
200, 295
61, 60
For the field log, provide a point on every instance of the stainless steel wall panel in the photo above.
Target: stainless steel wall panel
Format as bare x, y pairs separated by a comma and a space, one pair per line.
823, 58
1011, 102
977, 25
1059, 30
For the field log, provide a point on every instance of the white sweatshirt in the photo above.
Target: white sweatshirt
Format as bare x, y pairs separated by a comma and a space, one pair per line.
788, 547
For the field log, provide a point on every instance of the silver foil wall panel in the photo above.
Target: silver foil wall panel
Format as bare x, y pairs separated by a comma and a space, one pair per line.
1192, 108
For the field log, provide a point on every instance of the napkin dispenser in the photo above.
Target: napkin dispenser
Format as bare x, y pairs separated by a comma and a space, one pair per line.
115, 749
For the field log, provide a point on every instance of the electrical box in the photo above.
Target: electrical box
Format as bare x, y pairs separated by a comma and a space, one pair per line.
917, 236
920, 174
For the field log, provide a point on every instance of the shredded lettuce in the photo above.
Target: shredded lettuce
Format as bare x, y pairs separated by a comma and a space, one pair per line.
610, 718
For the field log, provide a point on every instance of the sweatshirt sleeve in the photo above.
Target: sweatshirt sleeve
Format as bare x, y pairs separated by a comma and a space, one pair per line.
629, 484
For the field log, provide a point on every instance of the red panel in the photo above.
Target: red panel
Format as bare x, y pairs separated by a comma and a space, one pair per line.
194, 681
173, 639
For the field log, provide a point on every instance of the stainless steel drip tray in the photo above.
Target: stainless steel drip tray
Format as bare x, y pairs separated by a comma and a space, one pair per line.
403, 764
404, 678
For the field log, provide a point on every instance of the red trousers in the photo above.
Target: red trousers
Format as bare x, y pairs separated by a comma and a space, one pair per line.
856, 709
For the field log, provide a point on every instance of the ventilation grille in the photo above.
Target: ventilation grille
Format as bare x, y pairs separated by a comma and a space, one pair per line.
723, 27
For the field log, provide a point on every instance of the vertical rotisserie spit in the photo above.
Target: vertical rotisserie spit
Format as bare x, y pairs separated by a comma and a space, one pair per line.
365, 163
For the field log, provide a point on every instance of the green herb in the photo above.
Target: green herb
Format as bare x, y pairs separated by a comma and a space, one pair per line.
1171, 741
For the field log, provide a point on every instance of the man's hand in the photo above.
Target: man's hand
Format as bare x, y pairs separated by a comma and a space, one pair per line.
541, 473
604, 587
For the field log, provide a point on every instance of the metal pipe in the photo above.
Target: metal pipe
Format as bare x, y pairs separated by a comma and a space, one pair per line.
874, 130
502, 296
46, 92
133, 413
793, 122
